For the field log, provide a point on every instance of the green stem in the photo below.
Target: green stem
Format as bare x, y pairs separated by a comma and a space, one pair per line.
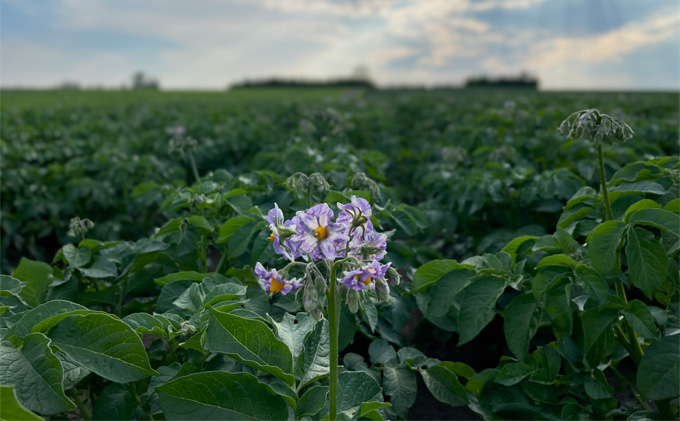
193, 167
665, 409
333, 320
223, 261
632, 389
119, 307
81, 405
634, 349
603, 182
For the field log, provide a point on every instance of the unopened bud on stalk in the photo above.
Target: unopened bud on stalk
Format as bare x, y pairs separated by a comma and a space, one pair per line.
79, 226
382, 290
392, 276
353, 300
310, 301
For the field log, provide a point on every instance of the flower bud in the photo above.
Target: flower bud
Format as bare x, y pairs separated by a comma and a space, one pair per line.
382, 290
353, 300
392, 276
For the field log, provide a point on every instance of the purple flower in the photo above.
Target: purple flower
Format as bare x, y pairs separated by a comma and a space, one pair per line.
317, 235
365, 277
273, 282
357, 216
374, 246
276, 225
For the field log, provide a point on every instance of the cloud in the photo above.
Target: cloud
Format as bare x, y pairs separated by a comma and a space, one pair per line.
210, 43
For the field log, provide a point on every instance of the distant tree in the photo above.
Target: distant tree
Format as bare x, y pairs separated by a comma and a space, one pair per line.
69, 85
141, 81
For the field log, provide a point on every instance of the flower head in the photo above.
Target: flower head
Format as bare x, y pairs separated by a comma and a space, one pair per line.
365, 277
282, 231
357, 215
317, 235
273, 282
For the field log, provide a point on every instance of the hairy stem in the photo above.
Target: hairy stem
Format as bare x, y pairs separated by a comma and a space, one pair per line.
193, 167
333, 320
84, 412
603, 182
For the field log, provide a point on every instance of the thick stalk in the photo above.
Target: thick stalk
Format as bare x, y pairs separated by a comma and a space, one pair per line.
603, 182
84, 412
193, 168
634, 349
333, 329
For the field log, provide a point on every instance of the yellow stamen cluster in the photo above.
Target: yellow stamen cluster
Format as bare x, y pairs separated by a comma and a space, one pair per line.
321, 233
367, 281
276, 286
272, 237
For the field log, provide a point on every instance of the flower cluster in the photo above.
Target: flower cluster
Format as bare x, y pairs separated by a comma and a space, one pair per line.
313, 240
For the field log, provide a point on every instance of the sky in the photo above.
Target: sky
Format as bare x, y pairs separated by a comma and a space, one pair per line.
210, 44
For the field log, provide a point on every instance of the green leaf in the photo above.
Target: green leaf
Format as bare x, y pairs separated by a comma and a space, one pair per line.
558, 307
239, 240
13, 285
156, 324
513, 373
103, 344
355, 388
200, 222
657, 218
116, 402
11, 409
430, 272
596, 386
442, 381
400, 385
597, 323
445, 288
520, 324
641, 204
640, 318
314, 360
220, 395
371, 313
36, 374
513, 246
36, 275
251, 342
604, 242
647, 261
557, 260
381, 352
478, 306
312, 401
673, 206
77, 257
230, 227
73, 372
44, 316
658, 376
179, 276
101, 268
291, 333
223, 292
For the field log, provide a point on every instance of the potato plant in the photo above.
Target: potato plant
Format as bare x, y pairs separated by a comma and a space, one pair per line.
285, 293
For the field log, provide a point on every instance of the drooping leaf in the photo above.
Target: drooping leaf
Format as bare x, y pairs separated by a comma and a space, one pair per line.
103, 344
355, 388
442, 381
251, 342
445, 288
513, 373
313, 362
401, 386
13, 285
658, 376
478, 306
657, 218
647, 261
312, 401
36, 373
520, 324
220, 395
231, 226
558, 307
73, 372
640, 318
